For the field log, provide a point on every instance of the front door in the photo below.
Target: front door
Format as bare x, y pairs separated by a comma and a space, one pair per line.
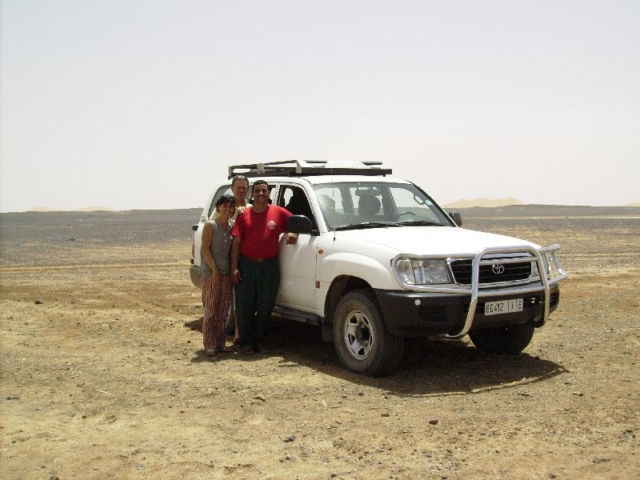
297, 262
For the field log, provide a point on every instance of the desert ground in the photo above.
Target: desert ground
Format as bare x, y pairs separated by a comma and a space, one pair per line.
103, 374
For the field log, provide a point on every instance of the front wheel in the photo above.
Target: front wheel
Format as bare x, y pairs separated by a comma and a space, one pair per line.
509, 340
362, 341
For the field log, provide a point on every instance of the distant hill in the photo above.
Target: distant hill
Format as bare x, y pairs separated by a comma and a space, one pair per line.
43, 209
85, 209
93, 209
634, 204
484, 202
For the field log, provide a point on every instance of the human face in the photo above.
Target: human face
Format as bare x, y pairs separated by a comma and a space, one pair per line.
260, 195
240, 190
226, 210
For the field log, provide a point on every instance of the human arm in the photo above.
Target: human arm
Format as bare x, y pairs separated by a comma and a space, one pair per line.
235, 257
292, 238
207, 239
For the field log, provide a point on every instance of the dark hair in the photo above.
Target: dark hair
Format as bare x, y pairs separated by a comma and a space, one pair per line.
260, 182
239, 178
226, 199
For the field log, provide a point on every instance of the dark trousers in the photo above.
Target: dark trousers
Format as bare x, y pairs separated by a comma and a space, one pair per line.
255, 298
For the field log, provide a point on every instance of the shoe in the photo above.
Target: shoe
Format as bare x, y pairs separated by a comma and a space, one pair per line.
211, 352
237, 341
228, 349
247, 350
260, 349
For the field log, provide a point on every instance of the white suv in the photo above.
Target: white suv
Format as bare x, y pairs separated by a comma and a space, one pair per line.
378, 260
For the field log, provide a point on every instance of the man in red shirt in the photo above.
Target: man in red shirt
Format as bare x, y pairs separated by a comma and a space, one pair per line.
254, 264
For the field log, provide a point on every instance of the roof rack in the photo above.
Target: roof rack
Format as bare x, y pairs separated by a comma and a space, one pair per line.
295, 168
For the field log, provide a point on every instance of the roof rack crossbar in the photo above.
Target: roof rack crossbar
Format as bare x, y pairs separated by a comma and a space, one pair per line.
291, 168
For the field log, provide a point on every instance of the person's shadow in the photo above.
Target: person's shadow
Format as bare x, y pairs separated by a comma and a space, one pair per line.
195, 324
429, 366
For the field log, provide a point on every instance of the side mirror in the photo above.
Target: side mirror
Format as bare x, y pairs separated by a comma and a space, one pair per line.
299, 224
456, 217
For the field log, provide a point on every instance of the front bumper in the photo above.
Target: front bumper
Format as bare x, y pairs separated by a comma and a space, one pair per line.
420, 314
455, 310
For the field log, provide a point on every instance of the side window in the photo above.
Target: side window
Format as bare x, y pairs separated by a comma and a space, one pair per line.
226, 190
285, 195
295, 200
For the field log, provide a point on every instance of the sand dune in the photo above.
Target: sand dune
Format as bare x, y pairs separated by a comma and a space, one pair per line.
93, 209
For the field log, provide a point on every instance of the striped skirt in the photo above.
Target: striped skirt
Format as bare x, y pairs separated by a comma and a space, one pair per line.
217, 299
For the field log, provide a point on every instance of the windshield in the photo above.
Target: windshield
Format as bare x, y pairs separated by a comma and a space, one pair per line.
375, 204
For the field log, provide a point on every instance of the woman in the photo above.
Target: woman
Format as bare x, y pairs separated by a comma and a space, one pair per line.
215, 275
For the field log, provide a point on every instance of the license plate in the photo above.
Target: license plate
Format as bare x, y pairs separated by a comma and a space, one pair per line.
503, 306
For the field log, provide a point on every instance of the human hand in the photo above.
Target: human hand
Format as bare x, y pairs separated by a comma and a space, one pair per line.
235, 276
292, 238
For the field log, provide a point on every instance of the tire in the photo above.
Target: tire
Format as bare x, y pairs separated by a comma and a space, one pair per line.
509, 340
362, 341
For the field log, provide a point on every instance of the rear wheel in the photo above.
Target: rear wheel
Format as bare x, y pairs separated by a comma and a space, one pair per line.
509, 340
362, 341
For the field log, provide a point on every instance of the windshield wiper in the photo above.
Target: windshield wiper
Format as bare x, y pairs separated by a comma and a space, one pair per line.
365, 225
421, 223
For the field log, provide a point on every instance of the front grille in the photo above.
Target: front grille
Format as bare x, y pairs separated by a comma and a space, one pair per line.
510, 272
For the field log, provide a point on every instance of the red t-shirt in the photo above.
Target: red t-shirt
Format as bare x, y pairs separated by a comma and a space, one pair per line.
260, 232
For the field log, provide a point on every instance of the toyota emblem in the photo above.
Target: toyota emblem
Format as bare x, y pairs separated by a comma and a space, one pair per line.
497, 269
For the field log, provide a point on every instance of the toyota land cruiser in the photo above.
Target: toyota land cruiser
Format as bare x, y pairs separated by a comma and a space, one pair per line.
378, 260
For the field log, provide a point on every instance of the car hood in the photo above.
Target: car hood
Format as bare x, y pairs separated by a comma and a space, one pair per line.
431, 240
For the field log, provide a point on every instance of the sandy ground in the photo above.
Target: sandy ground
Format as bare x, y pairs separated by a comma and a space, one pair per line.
103, 374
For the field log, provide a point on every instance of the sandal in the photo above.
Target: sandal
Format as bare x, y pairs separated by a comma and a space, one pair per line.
211, 352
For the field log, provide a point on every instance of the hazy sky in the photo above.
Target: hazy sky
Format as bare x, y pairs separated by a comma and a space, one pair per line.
136, 104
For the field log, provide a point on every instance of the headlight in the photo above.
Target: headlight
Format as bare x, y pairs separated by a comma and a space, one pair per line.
420, 271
